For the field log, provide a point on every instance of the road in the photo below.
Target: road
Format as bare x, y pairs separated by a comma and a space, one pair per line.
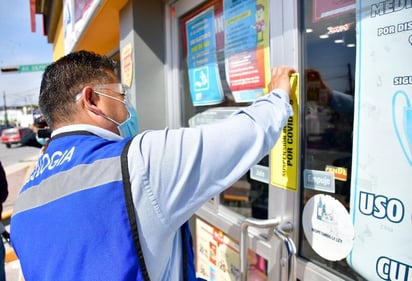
16, 154
18, 162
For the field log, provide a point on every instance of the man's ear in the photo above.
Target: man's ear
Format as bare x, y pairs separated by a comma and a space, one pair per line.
91, 100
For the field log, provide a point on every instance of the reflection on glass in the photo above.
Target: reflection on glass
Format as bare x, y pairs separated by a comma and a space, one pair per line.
329, 63
247, 196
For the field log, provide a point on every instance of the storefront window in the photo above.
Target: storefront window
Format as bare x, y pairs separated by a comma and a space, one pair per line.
329, 46
225, 66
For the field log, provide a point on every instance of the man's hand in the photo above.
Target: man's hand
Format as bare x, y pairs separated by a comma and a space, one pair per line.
280, 78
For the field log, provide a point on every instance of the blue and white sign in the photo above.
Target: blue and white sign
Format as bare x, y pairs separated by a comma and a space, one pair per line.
204, 78
381, 201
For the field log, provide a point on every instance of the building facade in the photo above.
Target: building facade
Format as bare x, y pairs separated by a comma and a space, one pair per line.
329, 202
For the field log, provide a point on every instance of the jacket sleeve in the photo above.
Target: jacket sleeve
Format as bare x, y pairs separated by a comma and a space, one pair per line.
183, 168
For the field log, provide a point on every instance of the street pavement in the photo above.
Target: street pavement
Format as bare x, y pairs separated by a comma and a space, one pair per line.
16, 176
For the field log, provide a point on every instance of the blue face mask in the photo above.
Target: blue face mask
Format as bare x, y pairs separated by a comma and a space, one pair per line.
41, 141
129, 127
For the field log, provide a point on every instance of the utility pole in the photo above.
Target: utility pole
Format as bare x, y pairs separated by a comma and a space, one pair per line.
20, 68
6, 121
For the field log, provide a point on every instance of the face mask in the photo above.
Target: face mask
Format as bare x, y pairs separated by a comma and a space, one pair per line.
41, 141
129, 127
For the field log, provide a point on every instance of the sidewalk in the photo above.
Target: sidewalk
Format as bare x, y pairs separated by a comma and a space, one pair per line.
16, 176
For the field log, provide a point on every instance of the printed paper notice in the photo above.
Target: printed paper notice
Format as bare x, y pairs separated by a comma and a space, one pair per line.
217, 256
247, 48
204, 78
285, 155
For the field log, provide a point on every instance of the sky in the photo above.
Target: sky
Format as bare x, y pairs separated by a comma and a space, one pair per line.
20, 46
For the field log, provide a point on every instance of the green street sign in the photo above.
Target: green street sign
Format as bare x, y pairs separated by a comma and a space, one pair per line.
33, 67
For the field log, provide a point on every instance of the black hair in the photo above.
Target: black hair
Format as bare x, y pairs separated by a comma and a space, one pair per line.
66, 77
40, 122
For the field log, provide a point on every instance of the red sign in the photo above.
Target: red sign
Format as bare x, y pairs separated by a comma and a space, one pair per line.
33, 15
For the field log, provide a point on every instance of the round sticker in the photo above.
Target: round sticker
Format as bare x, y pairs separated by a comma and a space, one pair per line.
328, 228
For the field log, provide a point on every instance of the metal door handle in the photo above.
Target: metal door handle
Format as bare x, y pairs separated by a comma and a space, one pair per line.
281, 231
270, 224
288, 263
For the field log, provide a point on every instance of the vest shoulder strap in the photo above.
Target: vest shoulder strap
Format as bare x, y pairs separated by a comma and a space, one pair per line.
131, 209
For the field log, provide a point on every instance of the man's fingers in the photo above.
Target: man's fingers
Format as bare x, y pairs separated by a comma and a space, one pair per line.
280, 78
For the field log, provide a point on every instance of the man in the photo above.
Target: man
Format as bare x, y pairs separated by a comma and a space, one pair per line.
106, 204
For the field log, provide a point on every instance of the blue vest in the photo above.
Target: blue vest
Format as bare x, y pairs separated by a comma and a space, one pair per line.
75, 219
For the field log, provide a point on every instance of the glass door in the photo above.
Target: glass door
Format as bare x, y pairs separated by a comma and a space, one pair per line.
329, 57
221, 50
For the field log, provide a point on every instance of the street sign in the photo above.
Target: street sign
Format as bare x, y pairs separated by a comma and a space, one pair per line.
25, 68
33, 67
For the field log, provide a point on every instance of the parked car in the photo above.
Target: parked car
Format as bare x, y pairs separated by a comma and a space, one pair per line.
2, 127
15, 135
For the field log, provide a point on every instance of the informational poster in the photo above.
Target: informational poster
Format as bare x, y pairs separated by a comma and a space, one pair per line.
217, 256
204, 78
381, 201
247, 48
76, 16
285, 154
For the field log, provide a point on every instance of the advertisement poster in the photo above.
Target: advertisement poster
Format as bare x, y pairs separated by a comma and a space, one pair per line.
286, 150
76, 16
381, 201
247, 48
217, 256
204, 78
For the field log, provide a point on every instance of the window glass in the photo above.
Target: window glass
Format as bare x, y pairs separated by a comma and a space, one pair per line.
329, 48
224, 66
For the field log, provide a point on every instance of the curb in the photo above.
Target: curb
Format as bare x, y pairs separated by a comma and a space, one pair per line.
18, 166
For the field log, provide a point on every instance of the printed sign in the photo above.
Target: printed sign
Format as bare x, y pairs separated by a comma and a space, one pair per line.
381, 200
285, 154
328, 227
211, 115
247, 48
319, 180
204, 79
76, 16
217, 256
127, 64
260, 173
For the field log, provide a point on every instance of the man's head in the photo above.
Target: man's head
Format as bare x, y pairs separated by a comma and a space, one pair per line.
82, 88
